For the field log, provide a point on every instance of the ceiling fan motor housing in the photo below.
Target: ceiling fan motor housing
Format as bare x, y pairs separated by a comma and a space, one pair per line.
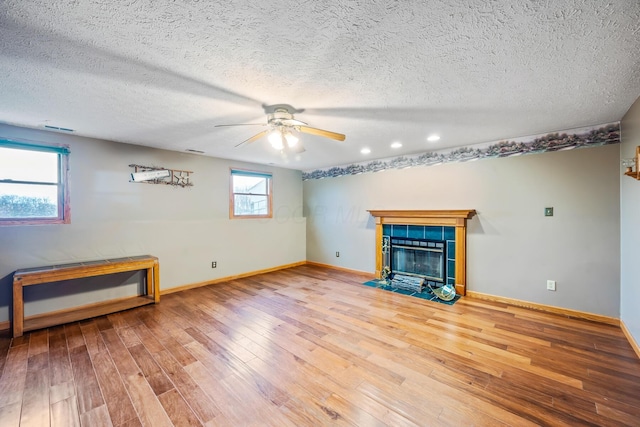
278, 116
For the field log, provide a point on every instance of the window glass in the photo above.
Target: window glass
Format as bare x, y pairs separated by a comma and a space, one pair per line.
28, 201
27, 165
249, 184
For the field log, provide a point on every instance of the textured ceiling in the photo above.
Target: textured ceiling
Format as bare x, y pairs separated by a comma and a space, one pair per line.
163, 73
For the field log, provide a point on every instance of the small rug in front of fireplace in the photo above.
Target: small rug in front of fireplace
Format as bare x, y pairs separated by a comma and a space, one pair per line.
425, 294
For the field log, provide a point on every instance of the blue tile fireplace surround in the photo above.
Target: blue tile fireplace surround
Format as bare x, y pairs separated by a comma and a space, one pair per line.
434, 240
427, 233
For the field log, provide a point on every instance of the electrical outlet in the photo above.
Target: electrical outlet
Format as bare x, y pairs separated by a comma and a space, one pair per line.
337, 254
214, 264
551, 285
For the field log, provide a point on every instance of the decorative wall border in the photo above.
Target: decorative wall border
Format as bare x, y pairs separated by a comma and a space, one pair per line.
567, 140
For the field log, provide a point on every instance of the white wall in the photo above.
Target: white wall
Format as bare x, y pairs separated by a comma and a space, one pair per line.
512, 247
630, 227
186, 228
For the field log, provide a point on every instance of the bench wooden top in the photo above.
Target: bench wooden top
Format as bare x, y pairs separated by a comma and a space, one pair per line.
54, 273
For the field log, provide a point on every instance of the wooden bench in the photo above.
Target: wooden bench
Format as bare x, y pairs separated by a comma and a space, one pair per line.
56, 273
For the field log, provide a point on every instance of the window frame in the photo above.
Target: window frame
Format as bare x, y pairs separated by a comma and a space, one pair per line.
64, 205
269, 187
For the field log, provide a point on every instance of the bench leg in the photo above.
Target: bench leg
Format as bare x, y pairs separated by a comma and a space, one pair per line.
156, 283
153, 282
149, 281
18, 310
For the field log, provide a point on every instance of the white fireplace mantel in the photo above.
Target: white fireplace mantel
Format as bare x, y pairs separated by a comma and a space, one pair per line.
447, 218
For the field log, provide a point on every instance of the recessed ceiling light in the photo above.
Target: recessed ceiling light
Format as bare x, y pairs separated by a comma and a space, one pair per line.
396, 144
433, 138
365, 150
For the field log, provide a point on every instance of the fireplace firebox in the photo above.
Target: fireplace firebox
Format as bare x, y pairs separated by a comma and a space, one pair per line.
419, 257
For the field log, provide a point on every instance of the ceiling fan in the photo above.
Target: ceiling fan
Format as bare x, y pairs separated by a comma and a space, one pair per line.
281, 126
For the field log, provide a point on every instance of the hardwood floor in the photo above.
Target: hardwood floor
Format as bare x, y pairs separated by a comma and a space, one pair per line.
310, 346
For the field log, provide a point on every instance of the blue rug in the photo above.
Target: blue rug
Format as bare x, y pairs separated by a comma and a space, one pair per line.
425, 294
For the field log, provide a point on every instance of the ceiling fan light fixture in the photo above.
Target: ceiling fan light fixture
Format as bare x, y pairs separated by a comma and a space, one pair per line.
291, 139
275, 139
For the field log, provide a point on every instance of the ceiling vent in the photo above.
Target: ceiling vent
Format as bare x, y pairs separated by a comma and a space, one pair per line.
59, 128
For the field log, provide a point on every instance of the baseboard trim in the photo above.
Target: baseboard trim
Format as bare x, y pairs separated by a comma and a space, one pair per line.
547, 308
5, 325
630, 338
335, 267
227, 278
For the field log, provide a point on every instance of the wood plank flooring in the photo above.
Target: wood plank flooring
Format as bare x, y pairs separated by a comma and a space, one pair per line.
310, 346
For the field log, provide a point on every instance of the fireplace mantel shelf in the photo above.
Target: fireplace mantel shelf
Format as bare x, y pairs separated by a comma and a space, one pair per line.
461, 213
446, 218
455, 218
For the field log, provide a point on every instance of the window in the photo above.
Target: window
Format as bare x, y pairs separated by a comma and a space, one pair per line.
33, 183
250, 194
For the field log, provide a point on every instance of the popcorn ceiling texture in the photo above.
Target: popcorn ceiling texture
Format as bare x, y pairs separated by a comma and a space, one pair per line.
164, 73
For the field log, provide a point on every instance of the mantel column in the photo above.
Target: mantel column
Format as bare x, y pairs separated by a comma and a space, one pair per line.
379, 259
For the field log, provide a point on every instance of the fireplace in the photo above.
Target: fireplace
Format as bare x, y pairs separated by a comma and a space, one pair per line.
448, 226
419, 257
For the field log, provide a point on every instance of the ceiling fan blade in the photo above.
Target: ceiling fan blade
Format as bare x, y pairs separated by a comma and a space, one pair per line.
254, 137
241, 124
320, 132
